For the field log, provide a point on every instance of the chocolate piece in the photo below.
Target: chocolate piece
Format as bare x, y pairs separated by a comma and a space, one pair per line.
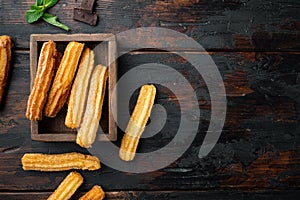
87, 5
85, 16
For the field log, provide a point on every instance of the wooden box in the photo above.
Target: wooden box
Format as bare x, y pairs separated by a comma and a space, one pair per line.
54, 129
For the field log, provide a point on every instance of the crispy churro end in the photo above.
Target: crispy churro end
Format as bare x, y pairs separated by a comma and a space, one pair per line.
69, 123
80, 143
128, 147
23, 161
125, 155
94, 165
96, 193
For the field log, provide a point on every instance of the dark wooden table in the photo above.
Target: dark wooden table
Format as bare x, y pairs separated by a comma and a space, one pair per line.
256, 46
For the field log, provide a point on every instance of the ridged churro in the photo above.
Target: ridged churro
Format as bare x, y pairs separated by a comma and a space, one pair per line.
96, 193
79, 89
87, 132
44, 75
5, 57
67, 187
63, 79
59, 162
137, 122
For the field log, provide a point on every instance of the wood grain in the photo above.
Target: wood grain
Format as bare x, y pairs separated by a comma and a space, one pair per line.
230, 24
255, 45
259, 141
210, 195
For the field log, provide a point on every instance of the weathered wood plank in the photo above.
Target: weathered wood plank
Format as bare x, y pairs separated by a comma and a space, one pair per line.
258, 85
231, 25
216, 171
54, 129
260, 140
209, 195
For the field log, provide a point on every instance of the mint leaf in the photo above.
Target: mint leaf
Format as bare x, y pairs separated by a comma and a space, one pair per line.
39, 2
33, 15
38, 8
50, 3
53, 20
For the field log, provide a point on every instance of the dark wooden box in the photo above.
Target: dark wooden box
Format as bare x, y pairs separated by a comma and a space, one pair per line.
54, 129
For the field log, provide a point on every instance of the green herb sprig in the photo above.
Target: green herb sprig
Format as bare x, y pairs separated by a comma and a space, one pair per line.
38, 11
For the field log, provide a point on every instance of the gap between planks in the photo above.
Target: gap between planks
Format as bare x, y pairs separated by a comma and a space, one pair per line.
157, 51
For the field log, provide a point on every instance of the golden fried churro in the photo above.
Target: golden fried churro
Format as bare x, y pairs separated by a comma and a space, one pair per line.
67, 187
87, 132
59, 162
38, 96
96, 193
63, 79
79, 89
137, 122
5, 57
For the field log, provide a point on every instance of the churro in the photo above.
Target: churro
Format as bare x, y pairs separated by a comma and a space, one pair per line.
59, 162
137, 122
63, 79
96, 193
87, 132
79, 89
44, 75
5, 57
67, 187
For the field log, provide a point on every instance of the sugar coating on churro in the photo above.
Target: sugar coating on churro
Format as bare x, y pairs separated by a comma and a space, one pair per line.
137, 122
44, 75
79, 89
59, 162
87, 132
63, 80
67, 187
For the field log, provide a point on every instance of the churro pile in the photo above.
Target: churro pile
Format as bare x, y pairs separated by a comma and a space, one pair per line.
74, 78
71, 78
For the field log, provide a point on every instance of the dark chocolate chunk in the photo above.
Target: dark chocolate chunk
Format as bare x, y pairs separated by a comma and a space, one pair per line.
85, 16
87, 5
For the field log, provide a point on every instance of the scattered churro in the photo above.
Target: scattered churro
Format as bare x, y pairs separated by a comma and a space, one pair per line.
87, 132
59, 162
137, 122
79, 89
45, 71
67, 187
5, 57
63, 79
96, 193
